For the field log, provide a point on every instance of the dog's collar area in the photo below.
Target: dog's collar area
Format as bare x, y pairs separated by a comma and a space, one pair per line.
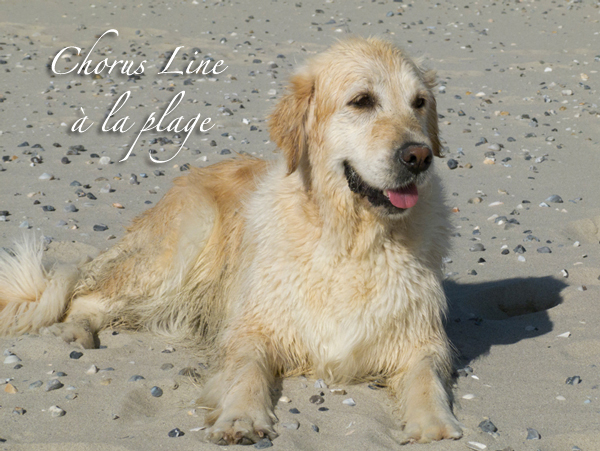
375, 196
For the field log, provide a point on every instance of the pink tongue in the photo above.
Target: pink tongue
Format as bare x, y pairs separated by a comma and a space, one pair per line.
404, 198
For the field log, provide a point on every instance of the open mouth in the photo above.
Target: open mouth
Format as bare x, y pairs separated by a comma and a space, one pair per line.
393, 200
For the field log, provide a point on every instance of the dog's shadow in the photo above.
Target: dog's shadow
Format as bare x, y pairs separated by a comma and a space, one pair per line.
501, 312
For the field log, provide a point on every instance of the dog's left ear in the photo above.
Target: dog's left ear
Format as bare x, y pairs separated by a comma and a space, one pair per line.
288, 121
432, 117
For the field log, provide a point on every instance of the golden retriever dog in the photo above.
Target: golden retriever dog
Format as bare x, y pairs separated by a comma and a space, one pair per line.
326, 261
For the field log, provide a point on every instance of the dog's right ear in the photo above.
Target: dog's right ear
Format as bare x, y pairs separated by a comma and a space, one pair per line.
288, 122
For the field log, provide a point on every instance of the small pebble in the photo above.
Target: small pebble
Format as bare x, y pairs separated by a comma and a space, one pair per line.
56, 411
532, 434
476, 446
92, 370
100, 227
519, 249
136, 378
320, 383
104, 160
573, 380
53, 384
10, 359
10, 389
488, 426
477, 247
555, 198
263, 443
316, 399
19, 411
176, 433
349, 402
292, 425
469, 396
166, 366
544, 250
294, 411
156, 392
75, 355
46, 176
36, 384
314, 427
452, 164
285, 399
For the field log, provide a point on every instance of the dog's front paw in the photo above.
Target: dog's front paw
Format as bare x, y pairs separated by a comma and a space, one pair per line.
426, 427
244, 429
72, 333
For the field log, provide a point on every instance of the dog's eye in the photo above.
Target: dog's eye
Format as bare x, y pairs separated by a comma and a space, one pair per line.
363, 101
419, 103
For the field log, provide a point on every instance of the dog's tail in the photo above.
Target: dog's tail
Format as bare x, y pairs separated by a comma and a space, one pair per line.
32, 297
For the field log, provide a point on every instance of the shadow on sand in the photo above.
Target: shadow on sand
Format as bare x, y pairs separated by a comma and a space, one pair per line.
499, 313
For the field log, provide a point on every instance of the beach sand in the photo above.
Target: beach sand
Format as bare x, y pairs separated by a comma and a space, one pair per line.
518, 102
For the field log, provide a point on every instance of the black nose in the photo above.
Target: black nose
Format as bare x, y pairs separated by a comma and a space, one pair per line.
415, 156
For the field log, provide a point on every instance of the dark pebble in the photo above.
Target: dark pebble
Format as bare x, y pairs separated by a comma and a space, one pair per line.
166, 366
75, 183
544, 250
100, 227
488, 426
314, 427
65, 160
263, 443
35, 384
53, 384
24, 144
90, 196
316, 399
156, 392
225, 152
159, 173
136, 378
4, 213
76, 355
48, 208
505, 252
519, 249
573, 380
176, 433
294, 410
555, 198
189, 372
19, 410
323, 409
70, 208
452, 164
61, 374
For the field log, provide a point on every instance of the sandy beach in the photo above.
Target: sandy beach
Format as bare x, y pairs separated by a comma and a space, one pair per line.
518, 95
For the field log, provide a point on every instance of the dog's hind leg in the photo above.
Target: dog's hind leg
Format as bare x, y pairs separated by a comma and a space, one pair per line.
85, 318
241, 393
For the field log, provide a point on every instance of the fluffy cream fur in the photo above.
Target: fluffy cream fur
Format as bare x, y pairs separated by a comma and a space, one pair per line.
278, 267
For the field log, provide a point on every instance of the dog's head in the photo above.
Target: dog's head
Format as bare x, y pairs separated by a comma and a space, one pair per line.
361, 120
